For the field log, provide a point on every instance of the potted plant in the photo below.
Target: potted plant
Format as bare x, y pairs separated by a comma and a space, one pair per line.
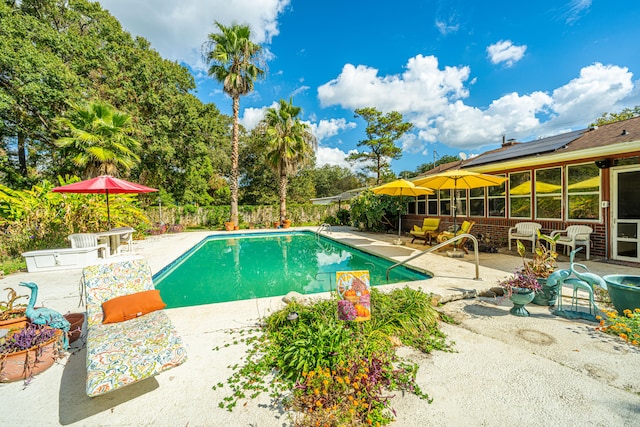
542, 265
12, 315
520, 288
28, 351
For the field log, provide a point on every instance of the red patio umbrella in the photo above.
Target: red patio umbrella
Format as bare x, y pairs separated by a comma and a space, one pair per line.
104, 184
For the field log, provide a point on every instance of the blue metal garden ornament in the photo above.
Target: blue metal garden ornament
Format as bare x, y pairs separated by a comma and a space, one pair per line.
584, 280
44, 315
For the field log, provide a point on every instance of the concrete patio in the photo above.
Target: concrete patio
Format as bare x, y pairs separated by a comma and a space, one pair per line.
532, 371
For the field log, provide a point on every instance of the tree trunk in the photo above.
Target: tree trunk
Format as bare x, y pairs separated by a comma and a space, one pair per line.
234, 162
283, 197
22, 155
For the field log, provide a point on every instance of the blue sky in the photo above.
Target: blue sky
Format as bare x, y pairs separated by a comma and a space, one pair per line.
464, 72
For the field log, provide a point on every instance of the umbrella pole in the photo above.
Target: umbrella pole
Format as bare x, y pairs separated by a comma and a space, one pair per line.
108, 212
455, 212
400, 216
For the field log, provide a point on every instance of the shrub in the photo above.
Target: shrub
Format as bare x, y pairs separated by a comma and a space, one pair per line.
343, 216
340, 372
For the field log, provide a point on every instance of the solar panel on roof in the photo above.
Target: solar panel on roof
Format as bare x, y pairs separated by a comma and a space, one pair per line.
526, 149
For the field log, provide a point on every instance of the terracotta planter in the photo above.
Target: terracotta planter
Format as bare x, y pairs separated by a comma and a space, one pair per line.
14, 323
229, 226
286, 223
24, 364
76, 320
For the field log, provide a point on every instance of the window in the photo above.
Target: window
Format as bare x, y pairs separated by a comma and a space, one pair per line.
411, 207
421, 205
496, 200
445, 202
476, 201
520, 195
583, 192
549, 193
432, 204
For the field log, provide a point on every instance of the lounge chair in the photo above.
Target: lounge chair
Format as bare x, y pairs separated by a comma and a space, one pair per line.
465, 228
428, 230
126, 351
525, 231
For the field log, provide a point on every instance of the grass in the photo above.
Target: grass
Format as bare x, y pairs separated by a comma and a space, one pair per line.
12, 265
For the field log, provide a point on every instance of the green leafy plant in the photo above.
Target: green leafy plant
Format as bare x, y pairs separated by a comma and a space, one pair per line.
625, 325
544, 260
375, 212
340, 371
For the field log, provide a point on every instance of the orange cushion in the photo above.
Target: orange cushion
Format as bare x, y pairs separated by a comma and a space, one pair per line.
131, 306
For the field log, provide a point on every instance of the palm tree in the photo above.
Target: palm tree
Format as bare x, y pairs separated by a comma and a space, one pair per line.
290, 145
234, 59
99, 140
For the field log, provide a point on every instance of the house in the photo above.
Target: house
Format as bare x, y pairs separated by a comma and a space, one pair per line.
589, 177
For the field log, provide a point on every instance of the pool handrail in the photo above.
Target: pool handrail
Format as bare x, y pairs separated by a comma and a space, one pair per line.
324, 227
440, 245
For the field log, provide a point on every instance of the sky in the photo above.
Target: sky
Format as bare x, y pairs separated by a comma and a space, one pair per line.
465, 73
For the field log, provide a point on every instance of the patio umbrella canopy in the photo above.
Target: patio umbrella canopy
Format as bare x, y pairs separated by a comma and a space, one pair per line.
104, 184
458, 179
401, 187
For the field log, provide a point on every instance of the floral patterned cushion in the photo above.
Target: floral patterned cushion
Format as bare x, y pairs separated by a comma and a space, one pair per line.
119, 354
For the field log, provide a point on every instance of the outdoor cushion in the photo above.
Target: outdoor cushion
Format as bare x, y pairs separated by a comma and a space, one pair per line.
119, 354
131, 306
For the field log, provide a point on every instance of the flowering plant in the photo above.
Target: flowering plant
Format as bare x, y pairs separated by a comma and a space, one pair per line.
30, 336
520, 280
625, 325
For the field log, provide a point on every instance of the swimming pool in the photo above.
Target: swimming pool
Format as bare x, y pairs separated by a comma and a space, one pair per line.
256, 265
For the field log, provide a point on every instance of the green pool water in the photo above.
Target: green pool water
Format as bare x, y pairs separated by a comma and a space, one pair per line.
258, 265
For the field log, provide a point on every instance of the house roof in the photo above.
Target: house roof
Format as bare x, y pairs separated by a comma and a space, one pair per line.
441, 168
604, 141
526, 149
612, 133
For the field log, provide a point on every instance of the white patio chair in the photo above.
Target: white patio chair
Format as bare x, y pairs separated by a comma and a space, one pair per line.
525, 231
88, 240
574, 235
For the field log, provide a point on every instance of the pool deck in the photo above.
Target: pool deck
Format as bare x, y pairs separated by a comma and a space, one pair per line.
538, 370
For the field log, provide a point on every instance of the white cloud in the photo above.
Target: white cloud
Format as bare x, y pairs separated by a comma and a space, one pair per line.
505, 51
422, 88
577, 8
432, 99
177, 29
328, 128
331, 156
446, 27
252, 116
599, 88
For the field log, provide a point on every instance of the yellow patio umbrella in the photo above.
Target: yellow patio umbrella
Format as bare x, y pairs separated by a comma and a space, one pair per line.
541, 187
401, 187
587, 183
458, 179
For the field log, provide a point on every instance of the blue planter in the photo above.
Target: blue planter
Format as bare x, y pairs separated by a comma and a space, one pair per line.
520, 297
547, 295
624, 291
